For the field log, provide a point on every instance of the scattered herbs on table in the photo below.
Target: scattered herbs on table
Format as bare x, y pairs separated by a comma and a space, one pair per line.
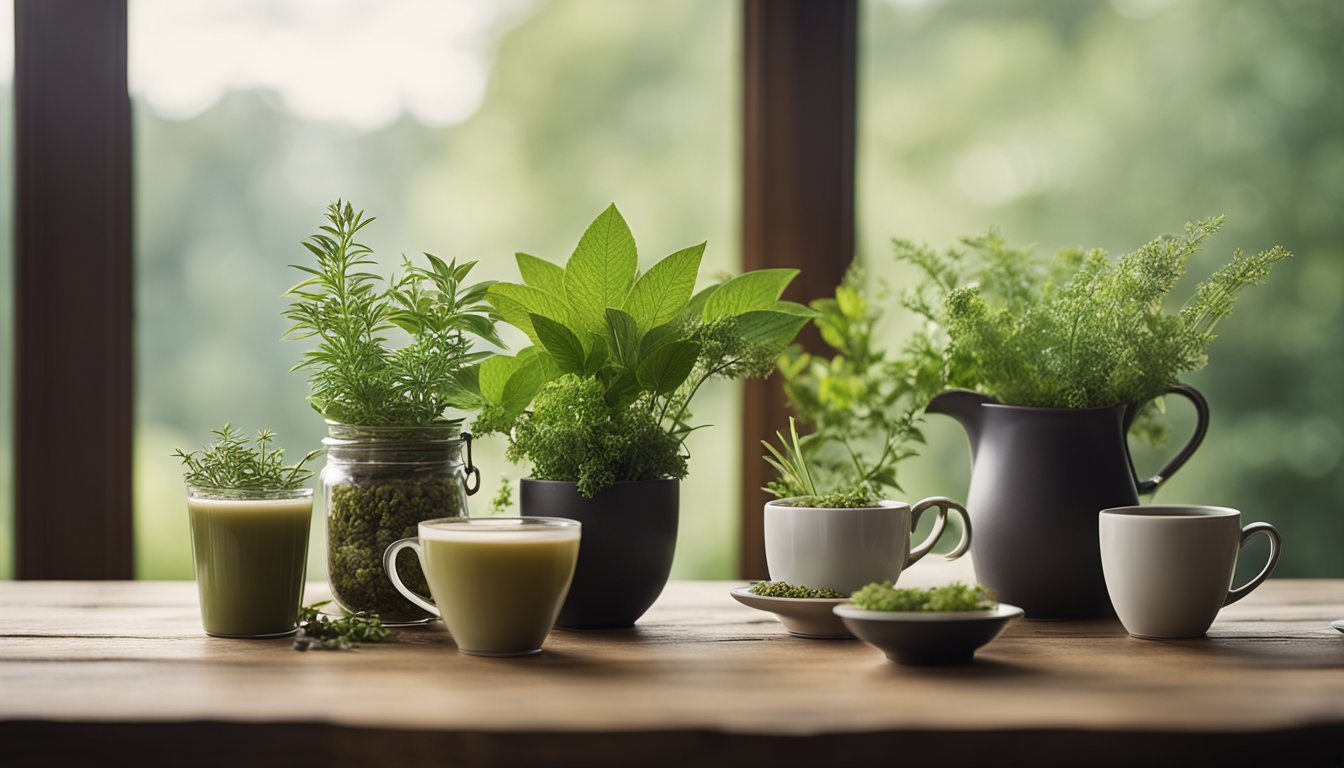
784, 589
882, 596
321, 632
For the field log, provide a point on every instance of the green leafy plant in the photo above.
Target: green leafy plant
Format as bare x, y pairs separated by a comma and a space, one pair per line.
603, 393
1079, 331
231, 464
357, 374
785, 589
883, 596
862, 402
321, 632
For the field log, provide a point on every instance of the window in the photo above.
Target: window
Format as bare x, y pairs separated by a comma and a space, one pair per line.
1106, 124
471, 130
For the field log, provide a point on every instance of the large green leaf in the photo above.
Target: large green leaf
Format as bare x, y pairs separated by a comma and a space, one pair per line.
623, 337
660, 335
662, 292
523, 384
769, 326
599, 273
561, 344
495, 373
669, 365
540, 273
517, 303
745, 293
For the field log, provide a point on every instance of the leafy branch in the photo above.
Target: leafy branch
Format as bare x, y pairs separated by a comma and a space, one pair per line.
357, 375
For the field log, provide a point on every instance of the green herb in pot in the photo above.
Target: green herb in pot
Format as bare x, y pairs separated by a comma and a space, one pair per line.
883, 596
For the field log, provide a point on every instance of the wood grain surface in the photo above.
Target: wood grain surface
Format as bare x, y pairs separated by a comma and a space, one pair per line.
120, 673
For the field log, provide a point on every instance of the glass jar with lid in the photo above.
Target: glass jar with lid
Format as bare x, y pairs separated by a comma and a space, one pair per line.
379, 483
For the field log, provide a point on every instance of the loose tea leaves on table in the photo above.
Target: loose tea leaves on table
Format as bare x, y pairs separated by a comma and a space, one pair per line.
320, 632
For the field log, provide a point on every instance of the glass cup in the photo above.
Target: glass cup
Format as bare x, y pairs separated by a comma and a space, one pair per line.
497, 582
250, 550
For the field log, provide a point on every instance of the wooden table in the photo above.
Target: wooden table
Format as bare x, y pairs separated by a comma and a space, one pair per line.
119, 673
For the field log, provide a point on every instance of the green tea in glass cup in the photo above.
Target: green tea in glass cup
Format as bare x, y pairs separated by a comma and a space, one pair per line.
497, 582
250, 548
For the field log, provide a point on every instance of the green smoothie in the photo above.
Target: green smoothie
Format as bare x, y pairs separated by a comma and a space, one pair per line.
251, 555
499, 587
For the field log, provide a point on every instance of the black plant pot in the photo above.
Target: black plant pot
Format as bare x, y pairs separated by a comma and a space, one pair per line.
625, 551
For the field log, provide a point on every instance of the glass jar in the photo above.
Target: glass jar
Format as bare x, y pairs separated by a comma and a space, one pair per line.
379, 483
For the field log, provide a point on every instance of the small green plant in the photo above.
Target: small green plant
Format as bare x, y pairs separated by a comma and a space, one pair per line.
603, 394
231, 464
882, 596
321, 632
785, 589
862, 403
1079, 331
357, 375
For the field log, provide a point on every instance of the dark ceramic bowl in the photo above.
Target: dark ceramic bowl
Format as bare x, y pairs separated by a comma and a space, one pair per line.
924, 638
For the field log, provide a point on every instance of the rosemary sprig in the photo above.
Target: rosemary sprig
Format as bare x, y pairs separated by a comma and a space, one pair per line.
230, 463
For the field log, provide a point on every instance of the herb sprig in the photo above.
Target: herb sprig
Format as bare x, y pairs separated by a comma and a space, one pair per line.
230, 463
357, 375
1081, 330
862, 403
320, 632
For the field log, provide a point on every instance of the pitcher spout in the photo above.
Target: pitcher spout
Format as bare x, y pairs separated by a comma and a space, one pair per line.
964, 406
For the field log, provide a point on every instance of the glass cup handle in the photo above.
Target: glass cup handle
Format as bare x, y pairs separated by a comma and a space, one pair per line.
944, 506
390, 565
1275, 545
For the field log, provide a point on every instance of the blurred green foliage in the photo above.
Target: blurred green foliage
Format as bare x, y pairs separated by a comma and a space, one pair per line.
1066, 123
587, 103
1060, 122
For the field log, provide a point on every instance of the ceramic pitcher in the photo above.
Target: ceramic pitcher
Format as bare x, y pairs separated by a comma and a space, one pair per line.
1039, 476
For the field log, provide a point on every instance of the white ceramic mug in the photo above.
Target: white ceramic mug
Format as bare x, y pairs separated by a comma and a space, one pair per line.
844, 549
1169, 568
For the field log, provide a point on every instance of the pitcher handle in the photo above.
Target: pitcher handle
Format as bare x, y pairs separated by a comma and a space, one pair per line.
1201, 428
390, 565
944, 505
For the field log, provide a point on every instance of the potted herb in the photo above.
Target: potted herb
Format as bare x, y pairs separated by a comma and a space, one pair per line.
394, 456
249, 517
833, 524
1056, 360
599, 404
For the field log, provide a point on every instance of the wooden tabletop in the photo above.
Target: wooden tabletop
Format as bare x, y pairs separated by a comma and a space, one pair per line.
119, 672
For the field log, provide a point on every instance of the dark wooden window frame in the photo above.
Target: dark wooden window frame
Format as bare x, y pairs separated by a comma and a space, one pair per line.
799, 76
74, 293
72, 367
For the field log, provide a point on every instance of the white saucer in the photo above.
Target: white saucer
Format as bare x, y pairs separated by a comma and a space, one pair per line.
802, 617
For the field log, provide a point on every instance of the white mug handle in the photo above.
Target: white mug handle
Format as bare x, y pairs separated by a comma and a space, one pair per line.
943, 505
1275, 544
390, 565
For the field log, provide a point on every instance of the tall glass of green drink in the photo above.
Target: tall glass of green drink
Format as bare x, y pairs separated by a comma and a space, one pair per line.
251, 552
497, 582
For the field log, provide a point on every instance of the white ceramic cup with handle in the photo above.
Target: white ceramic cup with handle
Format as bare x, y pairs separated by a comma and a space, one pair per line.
845, 549
1169, 568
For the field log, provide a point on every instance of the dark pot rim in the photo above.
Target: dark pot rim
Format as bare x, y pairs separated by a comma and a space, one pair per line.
1054, 409
625, 483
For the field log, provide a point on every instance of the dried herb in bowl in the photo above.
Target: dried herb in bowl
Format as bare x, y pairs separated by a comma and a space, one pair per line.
784, 589
883, 596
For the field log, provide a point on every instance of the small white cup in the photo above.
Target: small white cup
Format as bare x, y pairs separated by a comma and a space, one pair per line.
845, 549
1169, 568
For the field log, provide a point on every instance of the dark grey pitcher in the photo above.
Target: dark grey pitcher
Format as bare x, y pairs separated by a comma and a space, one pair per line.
1039, 477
